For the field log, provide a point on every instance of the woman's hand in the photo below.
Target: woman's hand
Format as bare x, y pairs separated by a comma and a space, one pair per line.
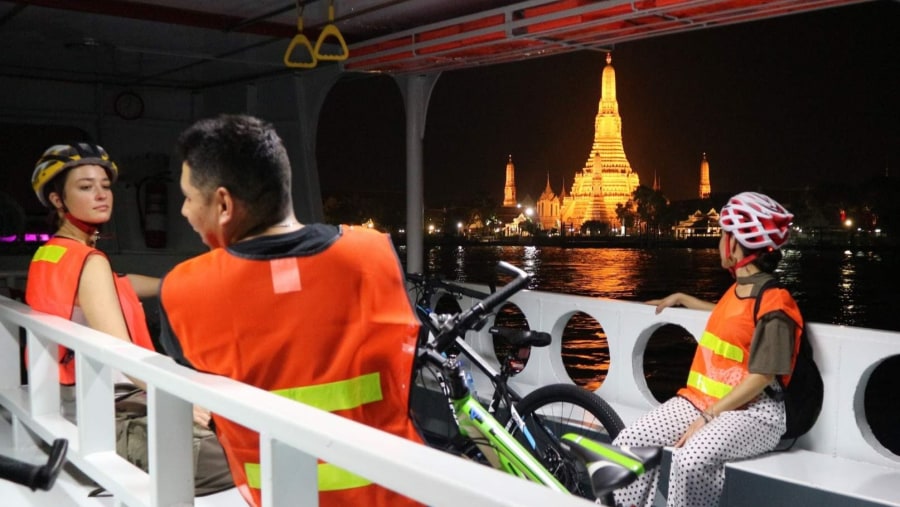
695, 426
681, 299
202, 416
670, 300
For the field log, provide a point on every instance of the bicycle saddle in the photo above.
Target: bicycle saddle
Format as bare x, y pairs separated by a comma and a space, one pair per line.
611, 467
521, 337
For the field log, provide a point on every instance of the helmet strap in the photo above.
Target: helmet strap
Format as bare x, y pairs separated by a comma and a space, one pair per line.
746, 260
91, 230
739, 264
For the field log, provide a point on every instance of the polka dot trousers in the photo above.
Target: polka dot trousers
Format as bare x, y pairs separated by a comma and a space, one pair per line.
697, 474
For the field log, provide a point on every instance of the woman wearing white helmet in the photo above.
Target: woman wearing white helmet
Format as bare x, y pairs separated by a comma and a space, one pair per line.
725, 412
70, 278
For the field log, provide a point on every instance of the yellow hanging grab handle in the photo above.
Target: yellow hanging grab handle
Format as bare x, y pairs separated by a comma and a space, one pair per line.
331, 30
303, 42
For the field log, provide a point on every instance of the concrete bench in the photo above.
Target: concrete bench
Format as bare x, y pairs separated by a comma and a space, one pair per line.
800, 477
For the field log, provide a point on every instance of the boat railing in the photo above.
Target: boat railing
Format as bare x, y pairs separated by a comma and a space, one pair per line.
293, 436
854, 362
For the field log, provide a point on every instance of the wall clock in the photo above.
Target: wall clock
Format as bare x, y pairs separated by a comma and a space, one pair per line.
129, 105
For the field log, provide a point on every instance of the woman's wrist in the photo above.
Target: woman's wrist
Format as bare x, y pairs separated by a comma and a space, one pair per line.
707, 415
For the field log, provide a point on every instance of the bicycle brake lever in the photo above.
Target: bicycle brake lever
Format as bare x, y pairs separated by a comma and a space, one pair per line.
481, 322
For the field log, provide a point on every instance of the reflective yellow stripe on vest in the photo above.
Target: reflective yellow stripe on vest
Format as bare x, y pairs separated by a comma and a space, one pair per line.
341, 395
707, 385
49, 253
720, 347
331, 478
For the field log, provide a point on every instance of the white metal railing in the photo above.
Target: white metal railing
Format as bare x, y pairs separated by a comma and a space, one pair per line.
292, 435
846, 356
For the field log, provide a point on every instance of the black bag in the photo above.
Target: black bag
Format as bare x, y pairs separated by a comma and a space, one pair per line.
803, 396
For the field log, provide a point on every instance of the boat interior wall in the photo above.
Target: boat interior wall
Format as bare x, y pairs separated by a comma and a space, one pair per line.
42, 113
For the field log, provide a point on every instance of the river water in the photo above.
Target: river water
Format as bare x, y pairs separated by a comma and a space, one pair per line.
831, 286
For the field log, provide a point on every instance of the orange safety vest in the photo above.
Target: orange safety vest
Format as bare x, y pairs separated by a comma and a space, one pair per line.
52, 287
334, 329
723, 353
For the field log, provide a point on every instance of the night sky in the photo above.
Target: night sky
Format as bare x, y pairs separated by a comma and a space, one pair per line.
776, 104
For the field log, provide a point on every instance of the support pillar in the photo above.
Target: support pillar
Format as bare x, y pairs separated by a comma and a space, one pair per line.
416, 94
311, 89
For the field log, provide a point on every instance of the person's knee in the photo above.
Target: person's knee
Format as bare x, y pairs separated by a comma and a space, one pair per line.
690, 460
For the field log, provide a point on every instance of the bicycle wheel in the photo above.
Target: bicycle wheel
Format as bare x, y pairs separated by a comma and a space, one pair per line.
552, 411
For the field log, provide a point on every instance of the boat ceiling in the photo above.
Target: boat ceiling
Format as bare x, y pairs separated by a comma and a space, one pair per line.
197, 44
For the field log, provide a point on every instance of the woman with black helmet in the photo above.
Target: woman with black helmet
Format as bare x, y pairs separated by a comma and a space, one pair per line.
724, 412
71, 278
75, 182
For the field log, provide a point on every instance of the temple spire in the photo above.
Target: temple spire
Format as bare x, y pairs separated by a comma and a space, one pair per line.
705, 187
509, 191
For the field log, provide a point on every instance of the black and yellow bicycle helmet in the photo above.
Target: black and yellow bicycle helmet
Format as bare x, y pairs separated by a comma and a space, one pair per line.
58, 158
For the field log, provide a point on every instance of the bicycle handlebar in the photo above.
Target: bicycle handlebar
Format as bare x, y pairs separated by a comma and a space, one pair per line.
452, 288
36, 476
467, 319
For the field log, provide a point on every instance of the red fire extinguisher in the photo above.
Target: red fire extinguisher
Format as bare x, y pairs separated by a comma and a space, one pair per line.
153, 210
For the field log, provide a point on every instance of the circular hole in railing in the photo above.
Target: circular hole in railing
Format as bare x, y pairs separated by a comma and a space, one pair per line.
585, 352
510, 316
882, 411
447, 304
667, 360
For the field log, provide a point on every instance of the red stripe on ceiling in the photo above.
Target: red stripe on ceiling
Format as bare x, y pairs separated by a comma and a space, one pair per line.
382, 46
468, 26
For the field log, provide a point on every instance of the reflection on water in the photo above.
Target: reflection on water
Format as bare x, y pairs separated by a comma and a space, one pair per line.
848, 288
585, 352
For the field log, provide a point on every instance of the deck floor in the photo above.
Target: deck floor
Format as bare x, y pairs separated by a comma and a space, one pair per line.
69, 490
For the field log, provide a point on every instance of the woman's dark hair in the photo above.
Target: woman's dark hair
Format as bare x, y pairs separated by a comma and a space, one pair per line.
766, 259
58, 185
244, 155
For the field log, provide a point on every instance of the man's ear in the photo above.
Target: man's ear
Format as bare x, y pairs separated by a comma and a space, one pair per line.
224, 203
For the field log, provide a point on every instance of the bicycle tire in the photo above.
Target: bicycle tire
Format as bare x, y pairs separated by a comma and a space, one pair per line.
553, 410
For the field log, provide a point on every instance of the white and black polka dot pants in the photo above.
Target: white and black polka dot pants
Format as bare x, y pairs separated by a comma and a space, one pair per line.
697, 474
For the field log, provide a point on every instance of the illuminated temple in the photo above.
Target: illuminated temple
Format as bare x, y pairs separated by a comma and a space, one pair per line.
606, 179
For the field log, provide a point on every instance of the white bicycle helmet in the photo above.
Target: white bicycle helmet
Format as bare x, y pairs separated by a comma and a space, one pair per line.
756, 220
60, 157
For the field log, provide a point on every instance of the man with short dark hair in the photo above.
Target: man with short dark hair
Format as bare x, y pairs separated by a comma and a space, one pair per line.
316, 313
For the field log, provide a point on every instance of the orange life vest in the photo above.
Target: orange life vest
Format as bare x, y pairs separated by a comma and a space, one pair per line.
723, 352
334, 329
52, 287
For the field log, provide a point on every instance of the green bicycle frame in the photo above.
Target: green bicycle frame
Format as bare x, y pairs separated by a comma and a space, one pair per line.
500, 448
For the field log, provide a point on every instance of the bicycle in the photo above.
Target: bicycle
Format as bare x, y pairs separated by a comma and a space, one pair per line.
551, 436
36, 476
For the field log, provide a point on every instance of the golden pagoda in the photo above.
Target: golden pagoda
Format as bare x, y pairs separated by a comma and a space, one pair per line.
606, 179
